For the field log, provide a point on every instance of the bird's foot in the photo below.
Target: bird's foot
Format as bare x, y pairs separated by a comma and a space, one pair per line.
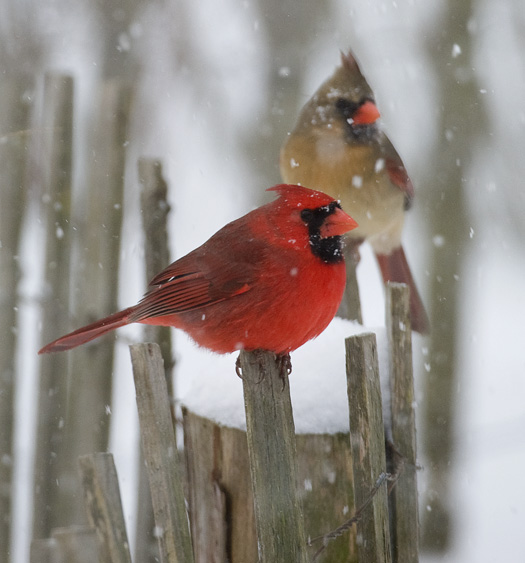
284, 365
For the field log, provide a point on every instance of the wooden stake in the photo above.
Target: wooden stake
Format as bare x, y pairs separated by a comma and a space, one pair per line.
272, 451
404, 494
368, 446
104, 507
160, 453
155, 209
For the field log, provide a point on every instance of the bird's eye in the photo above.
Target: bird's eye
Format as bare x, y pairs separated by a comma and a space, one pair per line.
307, 215
330, 208
346, 107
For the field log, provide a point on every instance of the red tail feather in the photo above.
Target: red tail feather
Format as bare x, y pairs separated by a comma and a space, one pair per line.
89, 332
395, 268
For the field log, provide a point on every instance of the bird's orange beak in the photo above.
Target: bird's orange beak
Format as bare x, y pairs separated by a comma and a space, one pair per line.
366, 114
337, 224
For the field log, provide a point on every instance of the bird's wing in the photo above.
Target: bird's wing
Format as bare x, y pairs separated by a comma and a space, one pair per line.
222, 268
397, 172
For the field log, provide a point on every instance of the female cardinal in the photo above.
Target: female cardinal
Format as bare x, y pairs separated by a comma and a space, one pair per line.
337, 147
271, 280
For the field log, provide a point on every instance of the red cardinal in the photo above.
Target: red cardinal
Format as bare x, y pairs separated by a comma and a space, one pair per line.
338, 147
270, 280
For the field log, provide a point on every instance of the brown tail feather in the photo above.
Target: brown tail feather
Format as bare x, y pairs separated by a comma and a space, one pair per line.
89, 332
394, 267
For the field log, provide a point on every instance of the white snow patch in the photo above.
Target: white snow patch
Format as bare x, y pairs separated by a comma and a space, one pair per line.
209, 387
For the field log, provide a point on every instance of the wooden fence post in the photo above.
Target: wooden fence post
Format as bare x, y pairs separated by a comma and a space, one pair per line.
272, 452
104, 507
368, 447
404, 495
220, 495
160, 453
155, 209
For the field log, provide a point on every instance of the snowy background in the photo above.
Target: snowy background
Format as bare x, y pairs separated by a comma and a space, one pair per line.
209, 78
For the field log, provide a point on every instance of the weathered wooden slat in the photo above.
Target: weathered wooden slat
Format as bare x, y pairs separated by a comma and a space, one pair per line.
203, 444
155, 209
160, 453
404, 495
219, 492
104, 506
368, 447
327, 492
272, 454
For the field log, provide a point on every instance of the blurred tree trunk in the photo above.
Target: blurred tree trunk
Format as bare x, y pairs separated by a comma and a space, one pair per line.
54, 170
115, 21
289, 32
461, 130
97, 217
22, 49
14, 119
95, 285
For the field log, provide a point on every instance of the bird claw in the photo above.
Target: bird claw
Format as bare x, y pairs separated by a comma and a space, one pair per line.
238, 368
284, 364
